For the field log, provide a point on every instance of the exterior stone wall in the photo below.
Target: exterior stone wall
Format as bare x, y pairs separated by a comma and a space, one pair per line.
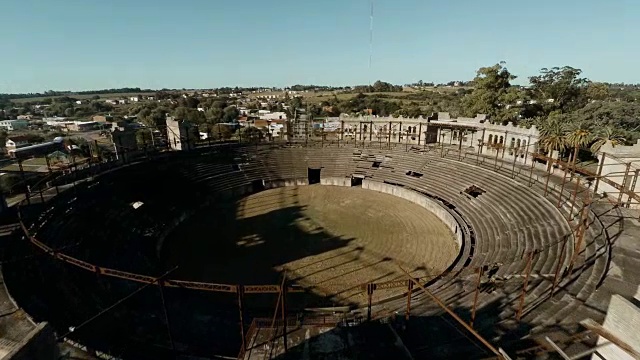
614, 161
469, 134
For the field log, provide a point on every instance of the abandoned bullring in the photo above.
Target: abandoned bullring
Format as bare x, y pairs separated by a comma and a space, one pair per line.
346, 247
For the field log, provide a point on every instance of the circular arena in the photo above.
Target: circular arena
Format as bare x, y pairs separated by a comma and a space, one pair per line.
179, 253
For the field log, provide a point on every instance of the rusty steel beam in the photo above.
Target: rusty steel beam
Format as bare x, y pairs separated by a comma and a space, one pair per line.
480, 271
240, 313
559, 266
525, 284
580, 232
575, 195
407, 313
633, 186
599, 173
455, 316
283, 310
564, 180
623, 188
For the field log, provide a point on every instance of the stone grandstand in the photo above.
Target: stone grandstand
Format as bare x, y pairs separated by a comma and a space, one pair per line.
512, 220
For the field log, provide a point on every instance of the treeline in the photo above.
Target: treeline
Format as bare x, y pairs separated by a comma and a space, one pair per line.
378, 86
67, 93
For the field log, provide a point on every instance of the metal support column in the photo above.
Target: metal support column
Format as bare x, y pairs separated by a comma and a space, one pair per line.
239, 290
407, 313
533, 163
283, 304
369, 300
575, 197
480, 271
580, 236
166, 315
556, 275
513, 166
623, 190
632, 188
600, 166
564, 181
524, 285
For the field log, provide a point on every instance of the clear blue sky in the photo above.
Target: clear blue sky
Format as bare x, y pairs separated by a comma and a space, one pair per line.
91, 44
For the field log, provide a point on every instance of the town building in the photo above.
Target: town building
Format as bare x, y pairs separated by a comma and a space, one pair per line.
38, 149
181, 134
11, 125
15, 142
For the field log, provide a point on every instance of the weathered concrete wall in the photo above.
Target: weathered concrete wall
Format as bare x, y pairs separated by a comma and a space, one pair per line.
622, 320
336, 181
39, 344
417, 198
290, 182
614, 169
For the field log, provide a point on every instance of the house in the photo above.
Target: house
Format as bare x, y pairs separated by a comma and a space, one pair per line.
24, 117
111, 101
181, 134
134, 99
78, 102
82, 125
276, 115
11, 125
15, 142
102, 118
37, 149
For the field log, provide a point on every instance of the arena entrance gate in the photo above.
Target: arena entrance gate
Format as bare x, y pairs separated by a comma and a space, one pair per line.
313, 176
356, 180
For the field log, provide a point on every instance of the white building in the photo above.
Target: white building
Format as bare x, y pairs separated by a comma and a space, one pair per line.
276, 115
181, 134
11, 125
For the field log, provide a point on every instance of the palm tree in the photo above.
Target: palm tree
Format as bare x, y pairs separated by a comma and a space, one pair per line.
604, 135
578, 136
552, 136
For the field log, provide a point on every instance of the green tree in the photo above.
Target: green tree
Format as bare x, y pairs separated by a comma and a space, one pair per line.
552, 135
492, 93
578, 136
559, 89
597, 91
607, 134
230, 114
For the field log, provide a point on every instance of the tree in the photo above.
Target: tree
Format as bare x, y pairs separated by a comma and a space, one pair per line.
220, 132
578, 136
597, 91
604, 135
552, 135
181, 113
559, 89
618, 114
250, 133
230, 114
492, 93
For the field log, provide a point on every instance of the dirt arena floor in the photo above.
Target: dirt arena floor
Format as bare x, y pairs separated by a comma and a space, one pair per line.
329, 239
